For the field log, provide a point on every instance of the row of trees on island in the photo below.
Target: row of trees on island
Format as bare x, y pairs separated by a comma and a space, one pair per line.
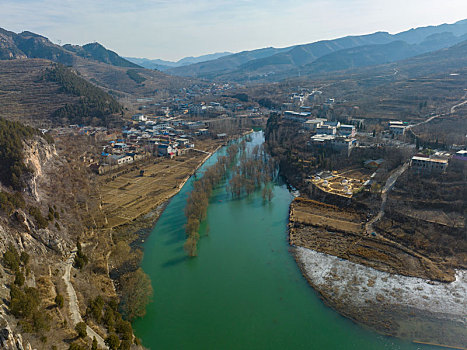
198, 200
254, 171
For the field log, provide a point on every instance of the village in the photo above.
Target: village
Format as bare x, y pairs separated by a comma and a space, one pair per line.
311, 116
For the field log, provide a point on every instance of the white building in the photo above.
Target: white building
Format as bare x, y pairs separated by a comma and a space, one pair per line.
428, 165
347, 130
139, 118
397, 129
326, 130
312, 124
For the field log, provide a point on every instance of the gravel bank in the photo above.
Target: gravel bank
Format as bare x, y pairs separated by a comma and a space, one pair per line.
409, 307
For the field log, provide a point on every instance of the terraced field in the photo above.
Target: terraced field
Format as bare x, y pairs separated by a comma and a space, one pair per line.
26, 96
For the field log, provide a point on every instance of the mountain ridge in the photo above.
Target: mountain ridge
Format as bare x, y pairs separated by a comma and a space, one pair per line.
246, 66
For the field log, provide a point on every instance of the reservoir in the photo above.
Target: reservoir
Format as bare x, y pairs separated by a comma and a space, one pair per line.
244, 289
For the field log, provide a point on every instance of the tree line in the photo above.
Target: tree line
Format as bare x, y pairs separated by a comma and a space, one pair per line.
254, 171
198, 200
94, 105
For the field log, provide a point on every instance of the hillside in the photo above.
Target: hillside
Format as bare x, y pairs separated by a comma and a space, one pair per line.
276, 64
25, 96
40, 93
95, 63
223, 64
164, 65
371, 55
397, 90
97, 52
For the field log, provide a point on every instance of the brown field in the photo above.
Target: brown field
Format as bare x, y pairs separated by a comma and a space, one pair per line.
125, 195
340, 232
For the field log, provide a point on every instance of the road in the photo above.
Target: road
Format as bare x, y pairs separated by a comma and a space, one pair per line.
452, 111
384, 196
73, 301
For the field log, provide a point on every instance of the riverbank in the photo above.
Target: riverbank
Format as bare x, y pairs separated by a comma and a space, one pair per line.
244, 290
407, 307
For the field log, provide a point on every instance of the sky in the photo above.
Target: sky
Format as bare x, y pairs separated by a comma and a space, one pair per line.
173, 29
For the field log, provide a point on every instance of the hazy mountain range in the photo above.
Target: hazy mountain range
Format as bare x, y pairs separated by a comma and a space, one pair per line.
261, 65
163, 65
327, 55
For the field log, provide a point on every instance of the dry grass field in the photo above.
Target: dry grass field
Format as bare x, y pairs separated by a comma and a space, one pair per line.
126, 195
340, 232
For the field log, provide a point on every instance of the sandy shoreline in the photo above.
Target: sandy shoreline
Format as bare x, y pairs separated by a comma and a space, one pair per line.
389, 303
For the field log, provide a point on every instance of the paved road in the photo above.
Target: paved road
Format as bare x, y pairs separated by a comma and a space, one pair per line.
74, 308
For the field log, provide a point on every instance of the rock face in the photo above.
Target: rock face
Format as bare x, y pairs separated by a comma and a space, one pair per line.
8, 339
20, 228
37, 153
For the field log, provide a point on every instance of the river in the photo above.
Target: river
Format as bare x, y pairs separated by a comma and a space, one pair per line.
244, 290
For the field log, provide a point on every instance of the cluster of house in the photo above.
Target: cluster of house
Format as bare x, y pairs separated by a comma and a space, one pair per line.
149, 137
327, 133
437, 162
397, 127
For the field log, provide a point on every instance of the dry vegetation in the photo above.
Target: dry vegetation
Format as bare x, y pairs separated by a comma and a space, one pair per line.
25, 96
126, 195
340, 232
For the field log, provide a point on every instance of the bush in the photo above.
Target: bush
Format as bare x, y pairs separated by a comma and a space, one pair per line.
76, 346
59, 300
80, 328
23, 303
11, 258
38, 218
95, 309
19, 278
133, 74
10, 202
24, 257
112, 341
12, 168
80, 258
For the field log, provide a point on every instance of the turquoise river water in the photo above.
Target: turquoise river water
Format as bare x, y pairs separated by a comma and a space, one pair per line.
244, 290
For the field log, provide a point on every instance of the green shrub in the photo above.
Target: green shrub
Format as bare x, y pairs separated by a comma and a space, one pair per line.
24, 257
10, 202
23, 303
80, 258
19, 278
59, 300
11, 258
38, 218
112, 341
133, 74
80, 328
95, 308
12, 167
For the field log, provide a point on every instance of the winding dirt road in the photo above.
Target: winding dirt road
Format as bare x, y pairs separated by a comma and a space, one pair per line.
384, 196
73, 301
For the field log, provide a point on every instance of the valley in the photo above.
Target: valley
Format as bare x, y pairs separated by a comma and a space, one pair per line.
348, 175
